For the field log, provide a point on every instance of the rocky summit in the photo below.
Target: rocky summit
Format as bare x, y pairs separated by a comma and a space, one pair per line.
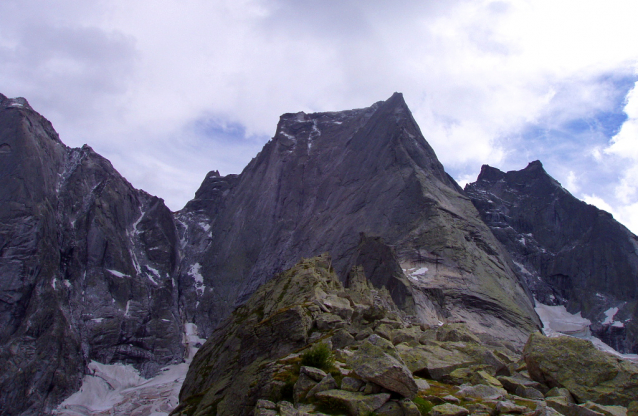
342, 271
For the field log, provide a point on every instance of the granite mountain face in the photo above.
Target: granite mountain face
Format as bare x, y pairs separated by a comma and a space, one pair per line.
570, 253
86, 267
94, 269
365, 186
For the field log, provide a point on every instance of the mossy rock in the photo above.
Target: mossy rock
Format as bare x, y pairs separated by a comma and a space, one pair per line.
589, 374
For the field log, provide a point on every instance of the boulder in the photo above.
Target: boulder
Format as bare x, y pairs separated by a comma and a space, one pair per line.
409, 335
448, 409
327, 321
314, 373
517, 380
391, 408
481, 391
432, 361
328, 383
409, 408
356, 404
606, 410
351, 384
422, 384
265, 408
287, 409
507, 406
456, 333
529, 393
302, 387
341, 339
385, 331
589, 374
371, 363
559, 392
482, 377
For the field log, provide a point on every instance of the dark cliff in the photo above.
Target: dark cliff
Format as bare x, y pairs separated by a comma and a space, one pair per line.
570, 253
85, 267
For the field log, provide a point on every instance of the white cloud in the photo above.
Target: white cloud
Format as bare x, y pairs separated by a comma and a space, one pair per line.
131, 78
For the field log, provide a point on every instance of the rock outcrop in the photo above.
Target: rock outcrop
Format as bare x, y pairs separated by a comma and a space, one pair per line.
570, 253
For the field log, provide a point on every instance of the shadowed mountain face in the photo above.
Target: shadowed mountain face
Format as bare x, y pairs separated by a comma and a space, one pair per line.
365, 186
569, 252
93, 269
85, 267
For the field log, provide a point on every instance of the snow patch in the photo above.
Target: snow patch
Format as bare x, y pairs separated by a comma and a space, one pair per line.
414, 273
67, 283
135, 224
205, 226
128, 304
290, 136
558, 322
420, 271
155, 272
98, 320
118, 389
54, 283
195, 273
117, 274
609, 314
191, 340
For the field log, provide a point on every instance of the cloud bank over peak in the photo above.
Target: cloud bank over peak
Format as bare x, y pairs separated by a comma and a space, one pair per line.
170, 90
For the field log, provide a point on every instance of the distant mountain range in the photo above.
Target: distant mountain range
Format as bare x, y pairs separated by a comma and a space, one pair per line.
92, 269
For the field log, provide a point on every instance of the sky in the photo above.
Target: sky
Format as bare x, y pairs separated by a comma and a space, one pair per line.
169, 90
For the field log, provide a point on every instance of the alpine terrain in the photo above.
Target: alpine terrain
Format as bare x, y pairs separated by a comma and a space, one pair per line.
343, 239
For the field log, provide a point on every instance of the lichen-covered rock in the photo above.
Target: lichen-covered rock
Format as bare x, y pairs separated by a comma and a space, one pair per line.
448, 409
517, 380
560, 392
421, 384
302, 387
316, 374
352, 384
342, 339
357, 404
409, 408
589, 374
529, 393
391, 408
373, 364
606, 410
507, 406
482, 377
482, 392
432, 360
328, 383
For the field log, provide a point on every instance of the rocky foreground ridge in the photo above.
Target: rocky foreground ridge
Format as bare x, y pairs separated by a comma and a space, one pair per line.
304, 344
